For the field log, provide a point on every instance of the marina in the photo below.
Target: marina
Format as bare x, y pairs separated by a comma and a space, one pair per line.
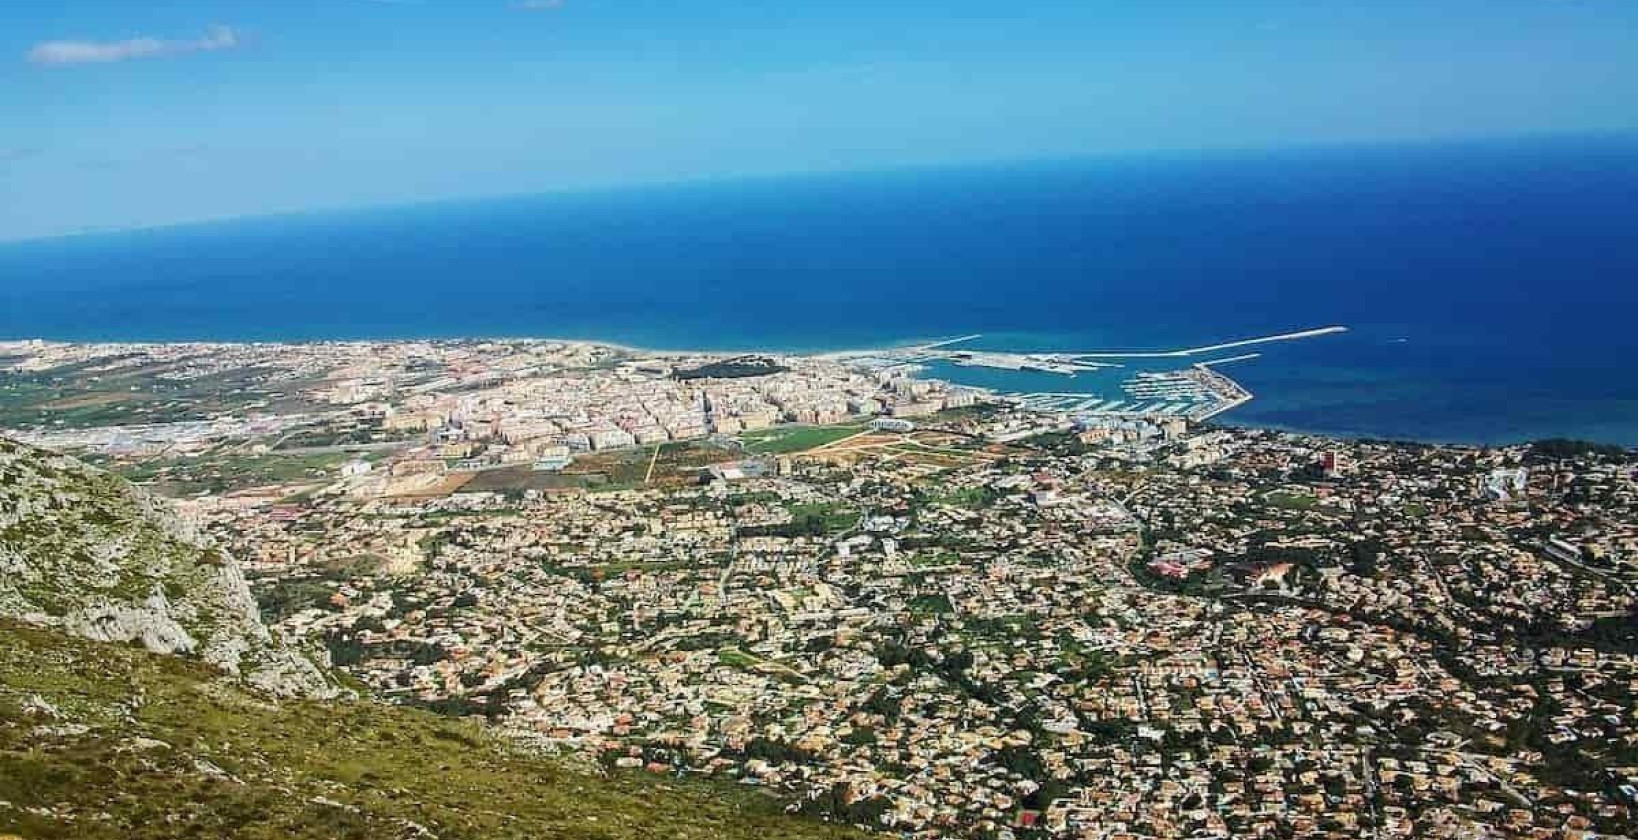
1141, 386
1196, 394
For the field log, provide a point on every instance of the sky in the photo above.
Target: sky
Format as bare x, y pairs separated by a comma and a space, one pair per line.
136, 113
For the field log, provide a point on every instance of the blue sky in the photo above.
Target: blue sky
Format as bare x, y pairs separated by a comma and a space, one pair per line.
117, 113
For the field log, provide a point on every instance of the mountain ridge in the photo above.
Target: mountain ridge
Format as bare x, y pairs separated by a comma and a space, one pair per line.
86, 552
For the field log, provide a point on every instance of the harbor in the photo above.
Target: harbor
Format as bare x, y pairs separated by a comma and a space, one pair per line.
1139, 385
1198, 394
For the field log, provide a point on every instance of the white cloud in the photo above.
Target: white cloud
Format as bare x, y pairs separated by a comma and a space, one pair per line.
538, 5
104, 52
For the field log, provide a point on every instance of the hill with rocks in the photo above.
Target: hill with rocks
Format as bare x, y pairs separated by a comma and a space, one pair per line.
142, 698
84, 551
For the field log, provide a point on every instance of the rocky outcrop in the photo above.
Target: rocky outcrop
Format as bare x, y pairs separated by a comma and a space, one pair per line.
84, 551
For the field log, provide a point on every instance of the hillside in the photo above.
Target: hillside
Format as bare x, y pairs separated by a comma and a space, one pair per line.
84, 551
142, 697
110, 741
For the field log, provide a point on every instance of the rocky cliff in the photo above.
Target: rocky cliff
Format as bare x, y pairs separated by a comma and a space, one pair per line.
84, 551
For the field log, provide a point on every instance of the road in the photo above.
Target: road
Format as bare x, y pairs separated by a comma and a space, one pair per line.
649, 476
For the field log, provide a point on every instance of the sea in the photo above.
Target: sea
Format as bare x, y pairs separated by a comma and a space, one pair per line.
1489, 288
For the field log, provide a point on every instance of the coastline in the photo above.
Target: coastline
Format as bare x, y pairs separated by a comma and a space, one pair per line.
1230, 394
1505, 291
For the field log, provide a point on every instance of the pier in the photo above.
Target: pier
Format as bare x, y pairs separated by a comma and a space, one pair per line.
1197, 392
1210, 348
1069, 364
1244, 357
949, 341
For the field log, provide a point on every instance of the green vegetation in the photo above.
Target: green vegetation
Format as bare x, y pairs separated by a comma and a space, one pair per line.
285, 598
91, 511
198, 758
967, 497
743, 367
935, 557
345, 433
436, 517
75, 396
1057, 443
735, 658
1554, 449
1286, 500
830, 518
621, 469
594, 572
521, 479
931, 604
225, 473
814, 519
67, 399
786, 439
862, 735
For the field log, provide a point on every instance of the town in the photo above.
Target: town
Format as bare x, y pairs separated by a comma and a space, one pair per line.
892, 602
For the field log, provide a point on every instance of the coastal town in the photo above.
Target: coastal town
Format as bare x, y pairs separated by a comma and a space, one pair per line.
911, 606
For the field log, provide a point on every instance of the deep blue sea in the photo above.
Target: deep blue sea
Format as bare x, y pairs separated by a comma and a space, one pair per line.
1490, 287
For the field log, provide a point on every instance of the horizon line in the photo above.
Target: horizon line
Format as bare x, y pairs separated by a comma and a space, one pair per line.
686, 182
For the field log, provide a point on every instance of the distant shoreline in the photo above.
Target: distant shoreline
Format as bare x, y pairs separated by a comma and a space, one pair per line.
895, 346
916, 353
1494, 312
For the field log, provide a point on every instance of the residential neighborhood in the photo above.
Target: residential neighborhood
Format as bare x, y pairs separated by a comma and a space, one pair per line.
980, 619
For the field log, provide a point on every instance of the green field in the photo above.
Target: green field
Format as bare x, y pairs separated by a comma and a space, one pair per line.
735, 658
619, 469
226, 473
1290, 501
787, 439
70, 397
825, 517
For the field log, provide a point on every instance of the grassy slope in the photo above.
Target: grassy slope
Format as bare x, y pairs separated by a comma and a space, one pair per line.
788, 439
232, 766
